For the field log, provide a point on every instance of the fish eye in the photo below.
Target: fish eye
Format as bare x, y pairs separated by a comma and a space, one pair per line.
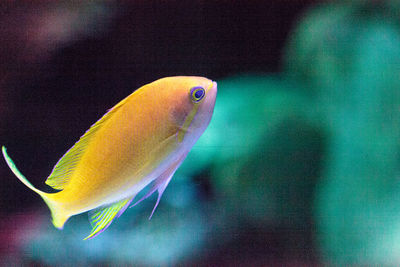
197, 93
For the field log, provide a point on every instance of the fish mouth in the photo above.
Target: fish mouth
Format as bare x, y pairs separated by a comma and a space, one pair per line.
213, 86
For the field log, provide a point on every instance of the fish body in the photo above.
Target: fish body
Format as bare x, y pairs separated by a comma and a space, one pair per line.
141, 140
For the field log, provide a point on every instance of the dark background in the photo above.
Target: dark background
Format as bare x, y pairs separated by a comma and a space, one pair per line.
52, 90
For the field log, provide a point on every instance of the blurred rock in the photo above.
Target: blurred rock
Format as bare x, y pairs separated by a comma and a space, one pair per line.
350, 54
264, 148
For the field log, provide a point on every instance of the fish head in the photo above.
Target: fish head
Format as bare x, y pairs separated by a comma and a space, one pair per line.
192, 104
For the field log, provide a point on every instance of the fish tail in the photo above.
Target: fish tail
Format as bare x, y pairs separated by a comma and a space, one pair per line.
57, 213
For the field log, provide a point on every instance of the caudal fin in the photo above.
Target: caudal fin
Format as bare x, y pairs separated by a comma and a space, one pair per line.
59, 217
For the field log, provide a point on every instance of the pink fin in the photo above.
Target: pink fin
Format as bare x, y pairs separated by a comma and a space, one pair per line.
152, 190
161, 183
161, 189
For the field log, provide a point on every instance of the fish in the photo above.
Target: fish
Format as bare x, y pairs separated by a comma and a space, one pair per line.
139, 143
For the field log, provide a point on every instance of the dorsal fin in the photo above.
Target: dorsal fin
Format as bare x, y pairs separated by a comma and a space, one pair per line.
63, 170
102, 217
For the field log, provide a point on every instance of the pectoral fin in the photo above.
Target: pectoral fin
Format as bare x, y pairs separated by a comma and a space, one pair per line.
102, 217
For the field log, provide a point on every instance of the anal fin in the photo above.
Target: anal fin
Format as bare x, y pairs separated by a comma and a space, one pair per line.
102, 217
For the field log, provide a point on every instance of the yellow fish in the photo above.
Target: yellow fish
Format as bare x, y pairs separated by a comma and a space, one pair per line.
143, 139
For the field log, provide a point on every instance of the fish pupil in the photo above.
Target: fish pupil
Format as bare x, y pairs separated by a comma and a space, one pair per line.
197, 93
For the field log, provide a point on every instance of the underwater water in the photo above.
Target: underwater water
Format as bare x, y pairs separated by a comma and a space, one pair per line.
298, 167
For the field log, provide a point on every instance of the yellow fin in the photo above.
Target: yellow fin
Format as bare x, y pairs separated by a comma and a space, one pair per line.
17, 173
65, 167
59, 217
58, 214
102, 217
